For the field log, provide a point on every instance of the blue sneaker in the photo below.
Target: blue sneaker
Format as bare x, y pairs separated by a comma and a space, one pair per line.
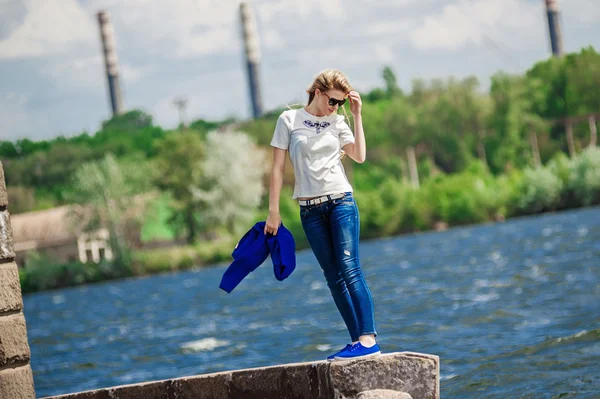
358, 351
331, 358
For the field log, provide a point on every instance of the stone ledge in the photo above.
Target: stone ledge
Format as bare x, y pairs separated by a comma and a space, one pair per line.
17, 383
10, 288
394, 375
14, 347
6, 237
383, 394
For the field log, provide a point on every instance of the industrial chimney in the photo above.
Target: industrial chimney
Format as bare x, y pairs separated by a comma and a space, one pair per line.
554, 28
250, 36
110, 62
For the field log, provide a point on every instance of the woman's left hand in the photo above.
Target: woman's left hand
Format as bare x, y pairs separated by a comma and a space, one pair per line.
355, 103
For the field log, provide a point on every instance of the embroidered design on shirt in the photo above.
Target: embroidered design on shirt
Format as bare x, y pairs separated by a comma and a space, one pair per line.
317, 125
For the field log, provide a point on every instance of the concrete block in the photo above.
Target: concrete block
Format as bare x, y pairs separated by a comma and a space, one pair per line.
14, 347
149, 390
157, 390
3, 194
17, 383
96, 394
6, 237
383, 394
415, 374
10, 288
299, 380
212, 386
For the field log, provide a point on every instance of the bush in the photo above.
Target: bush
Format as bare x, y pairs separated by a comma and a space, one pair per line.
215, 252
471, 196
369, 176
182, 257
382, 211
164, 259
540, 191
584, 177
560, 166
419, 211
43, 273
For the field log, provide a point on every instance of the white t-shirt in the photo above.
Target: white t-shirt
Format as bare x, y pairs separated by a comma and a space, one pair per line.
314, 144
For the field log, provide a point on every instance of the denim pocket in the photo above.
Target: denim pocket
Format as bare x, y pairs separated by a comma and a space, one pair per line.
304, 210
346, 199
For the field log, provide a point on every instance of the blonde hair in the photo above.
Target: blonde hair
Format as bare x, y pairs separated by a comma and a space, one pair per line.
329, 79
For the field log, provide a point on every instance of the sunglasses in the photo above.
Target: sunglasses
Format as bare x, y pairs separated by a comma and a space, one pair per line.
332, 101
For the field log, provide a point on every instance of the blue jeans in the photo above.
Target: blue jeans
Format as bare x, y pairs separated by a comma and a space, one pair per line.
332, 229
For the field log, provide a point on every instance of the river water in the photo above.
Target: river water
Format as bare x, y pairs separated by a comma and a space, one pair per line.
512, 309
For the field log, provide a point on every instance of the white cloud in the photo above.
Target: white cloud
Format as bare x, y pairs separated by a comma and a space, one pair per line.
194, 28
384, 53
176, 28
272, 40
585, 11
335, 9
271, 12
389, 28
470, 22
50, 27
132, 74
205, 98
85, 72
16, 122
88, 73
12, 114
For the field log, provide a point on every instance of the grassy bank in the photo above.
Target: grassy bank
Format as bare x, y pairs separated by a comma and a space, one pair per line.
43, 273
387, 207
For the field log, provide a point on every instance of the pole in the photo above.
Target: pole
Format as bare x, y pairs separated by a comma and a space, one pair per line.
110, 62
181, 104
250, 37
556, 41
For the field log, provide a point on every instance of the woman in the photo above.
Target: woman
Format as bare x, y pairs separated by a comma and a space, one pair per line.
315, 137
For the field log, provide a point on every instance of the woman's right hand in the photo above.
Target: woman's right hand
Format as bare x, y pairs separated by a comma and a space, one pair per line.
273, 223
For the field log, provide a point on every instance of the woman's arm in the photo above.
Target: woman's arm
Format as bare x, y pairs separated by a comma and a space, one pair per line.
274, 218
358, 149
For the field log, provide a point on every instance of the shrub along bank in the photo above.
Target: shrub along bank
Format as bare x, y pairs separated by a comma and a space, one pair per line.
392, 207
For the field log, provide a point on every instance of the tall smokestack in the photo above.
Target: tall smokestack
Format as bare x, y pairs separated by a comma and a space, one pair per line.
110, 62
250, 36
554, 28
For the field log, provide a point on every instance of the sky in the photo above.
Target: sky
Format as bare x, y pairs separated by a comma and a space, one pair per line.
52, 79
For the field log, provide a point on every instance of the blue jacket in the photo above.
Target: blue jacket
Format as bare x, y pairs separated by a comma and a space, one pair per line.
252, 251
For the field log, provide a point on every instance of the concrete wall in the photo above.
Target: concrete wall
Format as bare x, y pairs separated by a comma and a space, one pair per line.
403, 375
16, 378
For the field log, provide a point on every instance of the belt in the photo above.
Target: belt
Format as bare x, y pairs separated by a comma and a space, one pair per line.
321, 199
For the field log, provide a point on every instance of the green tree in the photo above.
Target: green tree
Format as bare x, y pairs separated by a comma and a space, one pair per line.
391, 83
203, 127
107, 191
8, 150
49, 171
123, 134
22, 199
450, 120
231, 182
179, 166
508, 121
128, 122
582, 77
